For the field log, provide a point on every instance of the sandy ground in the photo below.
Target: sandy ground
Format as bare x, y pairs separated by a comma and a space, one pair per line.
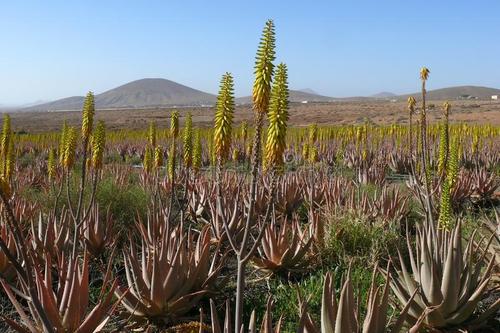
335, 113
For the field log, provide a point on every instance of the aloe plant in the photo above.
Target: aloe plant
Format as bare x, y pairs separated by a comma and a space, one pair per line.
451, 281
98, 232
265, 327
67, 308
7, 270
342, 315
168, 278
283, 247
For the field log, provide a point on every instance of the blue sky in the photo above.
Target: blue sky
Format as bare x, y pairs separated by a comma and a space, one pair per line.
55, 49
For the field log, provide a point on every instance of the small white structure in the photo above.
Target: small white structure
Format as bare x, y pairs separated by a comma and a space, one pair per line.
304, 102
494, 97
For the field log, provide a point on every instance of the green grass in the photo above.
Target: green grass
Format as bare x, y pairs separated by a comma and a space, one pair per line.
352, 239
125, 202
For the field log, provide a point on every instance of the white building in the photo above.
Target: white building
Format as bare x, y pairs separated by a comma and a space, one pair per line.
494, 97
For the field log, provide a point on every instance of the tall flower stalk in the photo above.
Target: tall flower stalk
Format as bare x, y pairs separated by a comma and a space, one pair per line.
223, 124
187, 140
174, 134
197, 151
278, 117
424, 156
411, 111
444, 140
264, 70
98, 144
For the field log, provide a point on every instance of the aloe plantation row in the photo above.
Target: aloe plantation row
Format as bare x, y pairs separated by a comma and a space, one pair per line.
252, 227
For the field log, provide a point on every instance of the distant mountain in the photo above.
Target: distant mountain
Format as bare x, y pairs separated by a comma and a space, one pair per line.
68, 103
460, 92
295, 96
309, 91
383, 94
161, 92
136, 94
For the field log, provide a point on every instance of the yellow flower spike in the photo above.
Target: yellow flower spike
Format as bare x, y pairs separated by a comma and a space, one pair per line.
88, 115
174, 124
187, 139
158, 158
264, 69
411, 104
98, 145
51, 164
171, 163
244, 130
152, 134
278, 117
424, 73
224, 118
9, 160
197, 150
446, 108
62, 142
69, 148
148, 160
6, 135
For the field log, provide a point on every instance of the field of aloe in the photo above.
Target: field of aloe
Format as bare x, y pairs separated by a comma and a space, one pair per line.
252, 226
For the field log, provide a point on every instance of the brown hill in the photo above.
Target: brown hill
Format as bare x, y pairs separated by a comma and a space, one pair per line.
143, 93
453, 93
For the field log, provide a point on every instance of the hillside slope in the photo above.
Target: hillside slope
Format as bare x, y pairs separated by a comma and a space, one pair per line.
136, 94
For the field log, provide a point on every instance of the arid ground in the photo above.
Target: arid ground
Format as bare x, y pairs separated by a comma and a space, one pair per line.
341, 113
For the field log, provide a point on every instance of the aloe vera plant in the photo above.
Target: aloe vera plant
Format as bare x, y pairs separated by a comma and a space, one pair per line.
265, 327
451, 281
342, 315
6, 268
168, 278
98, 232
67, 307
283, 247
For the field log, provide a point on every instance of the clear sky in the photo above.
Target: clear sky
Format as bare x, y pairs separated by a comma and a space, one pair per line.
55, 49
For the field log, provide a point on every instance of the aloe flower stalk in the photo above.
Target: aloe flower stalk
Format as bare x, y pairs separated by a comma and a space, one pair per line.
98, 145
264, 70
244, 130
312, 151
148, 160
5, 142
444, 139
187, 139
158, 158
223, 120
51, 164
411, 111
69, 149
88, 115
278, 117
171, 163
9, 160
197, 150
174, 133
152, 134
174, 124
62, 142
445, 208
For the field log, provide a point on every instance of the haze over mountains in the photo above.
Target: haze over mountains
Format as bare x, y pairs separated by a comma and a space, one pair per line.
151, 93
